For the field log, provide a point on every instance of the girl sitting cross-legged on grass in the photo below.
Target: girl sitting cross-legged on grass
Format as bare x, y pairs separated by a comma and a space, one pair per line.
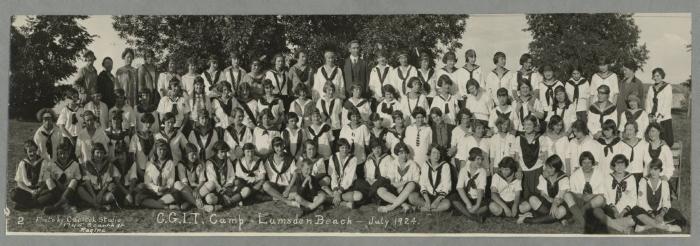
469, 197
128, 184
191, 178
653, 208
401, 177
31, 191
347, 189
374, 174
159, 180
587, 188
620, 197
249, 173
505, 189
220, 189
435, 183
99, 175
548, 206
62, 176
307, 190
280, 169
319, 165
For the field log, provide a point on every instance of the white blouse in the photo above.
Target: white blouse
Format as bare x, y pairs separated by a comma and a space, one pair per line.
610, 81
480, 105
400, 77
493, 82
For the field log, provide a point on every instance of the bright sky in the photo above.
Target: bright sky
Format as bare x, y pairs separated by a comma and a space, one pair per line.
666, 37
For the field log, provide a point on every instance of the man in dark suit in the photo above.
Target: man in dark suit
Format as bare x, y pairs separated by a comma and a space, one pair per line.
356, 69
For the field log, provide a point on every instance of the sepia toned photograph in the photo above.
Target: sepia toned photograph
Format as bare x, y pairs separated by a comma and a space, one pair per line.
561, 124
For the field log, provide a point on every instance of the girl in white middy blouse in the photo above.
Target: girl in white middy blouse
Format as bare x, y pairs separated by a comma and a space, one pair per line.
413, 99
499, 77
633, 148
620, 197
587, 187
478, 102
653, 208
604, 77
403, 176
505, 190
471, 185
328, 73
450, 59
418, 136
444, 100
347, 190
402, 74
504, 109
469, 71
435, 183
379, 77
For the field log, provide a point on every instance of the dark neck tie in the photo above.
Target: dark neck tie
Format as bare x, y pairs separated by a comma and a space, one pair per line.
174, 110
73, 119
655, 101
49, 143
587, 188
619, 188
549, 94
418, 137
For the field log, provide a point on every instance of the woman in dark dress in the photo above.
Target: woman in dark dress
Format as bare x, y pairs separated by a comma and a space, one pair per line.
106, 81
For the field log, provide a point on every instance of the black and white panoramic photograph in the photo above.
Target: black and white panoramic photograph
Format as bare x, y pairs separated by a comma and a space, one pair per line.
551, 124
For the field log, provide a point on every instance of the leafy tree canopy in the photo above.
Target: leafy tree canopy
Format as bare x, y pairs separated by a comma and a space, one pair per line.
179, 37
43, 51
566, 40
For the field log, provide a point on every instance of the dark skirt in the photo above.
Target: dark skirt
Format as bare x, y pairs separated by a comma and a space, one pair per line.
529, 183
545, 206
360, 185
24, 200
306, 192
610, 211
454, 197
389, 188
672, 217
280, 188
239, 183
381, 182
667, 132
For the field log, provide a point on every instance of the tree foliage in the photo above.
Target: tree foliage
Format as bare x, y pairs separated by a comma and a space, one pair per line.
179, 37
182, 36
43, 52
412, 33
565, 40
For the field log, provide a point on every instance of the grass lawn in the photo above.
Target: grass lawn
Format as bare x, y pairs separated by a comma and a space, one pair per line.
263, 217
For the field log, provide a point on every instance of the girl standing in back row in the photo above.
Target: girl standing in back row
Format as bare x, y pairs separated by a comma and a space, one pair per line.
659, 102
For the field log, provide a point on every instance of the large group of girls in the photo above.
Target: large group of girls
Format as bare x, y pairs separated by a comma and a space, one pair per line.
593, 150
